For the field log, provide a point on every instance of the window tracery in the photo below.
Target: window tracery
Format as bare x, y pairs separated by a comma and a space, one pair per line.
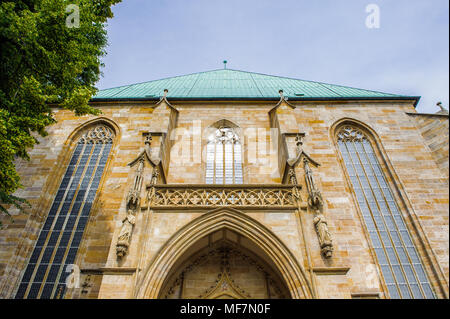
401, 266
59, 239
223, 157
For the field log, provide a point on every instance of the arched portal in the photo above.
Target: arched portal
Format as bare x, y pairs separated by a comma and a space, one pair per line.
223, 265
220, 232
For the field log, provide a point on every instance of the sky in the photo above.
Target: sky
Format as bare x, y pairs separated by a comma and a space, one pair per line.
322, 40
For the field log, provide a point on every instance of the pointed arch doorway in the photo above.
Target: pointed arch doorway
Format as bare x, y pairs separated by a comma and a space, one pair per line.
224, 265
224, 254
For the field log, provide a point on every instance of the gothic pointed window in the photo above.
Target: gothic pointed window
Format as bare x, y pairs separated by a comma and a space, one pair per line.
58, 242
399, 261
223, 157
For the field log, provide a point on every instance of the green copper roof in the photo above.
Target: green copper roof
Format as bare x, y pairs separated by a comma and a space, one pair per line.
233, 84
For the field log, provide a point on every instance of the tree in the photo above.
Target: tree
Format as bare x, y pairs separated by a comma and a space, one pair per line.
47, 59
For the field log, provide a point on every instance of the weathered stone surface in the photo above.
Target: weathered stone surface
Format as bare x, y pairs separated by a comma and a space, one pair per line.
414, 154
434, 129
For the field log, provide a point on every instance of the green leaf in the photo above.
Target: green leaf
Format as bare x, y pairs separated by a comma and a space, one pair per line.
43, 63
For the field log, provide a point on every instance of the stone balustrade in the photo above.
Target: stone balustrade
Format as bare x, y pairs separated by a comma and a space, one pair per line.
206, 196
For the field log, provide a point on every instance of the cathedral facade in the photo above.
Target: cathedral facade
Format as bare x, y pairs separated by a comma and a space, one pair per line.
230, 184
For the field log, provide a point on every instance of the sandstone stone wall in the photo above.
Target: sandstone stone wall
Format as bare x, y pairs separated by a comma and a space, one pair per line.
411, 164
434, 129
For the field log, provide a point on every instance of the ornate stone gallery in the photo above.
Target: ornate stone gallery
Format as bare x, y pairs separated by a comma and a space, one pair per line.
229, 184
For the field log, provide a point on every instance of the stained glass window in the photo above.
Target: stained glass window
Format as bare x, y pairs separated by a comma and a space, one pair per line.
400, 264
59, 239
224, 158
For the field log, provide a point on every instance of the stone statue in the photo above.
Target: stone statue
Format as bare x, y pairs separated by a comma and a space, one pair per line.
123, 242
325, 240
133, 203
315, 202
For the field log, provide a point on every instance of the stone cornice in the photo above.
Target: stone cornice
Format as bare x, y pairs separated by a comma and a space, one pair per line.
428, 114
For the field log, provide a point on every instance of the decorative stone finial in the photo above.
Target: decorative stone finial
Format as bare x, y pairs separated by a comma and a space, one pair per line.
443, 110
